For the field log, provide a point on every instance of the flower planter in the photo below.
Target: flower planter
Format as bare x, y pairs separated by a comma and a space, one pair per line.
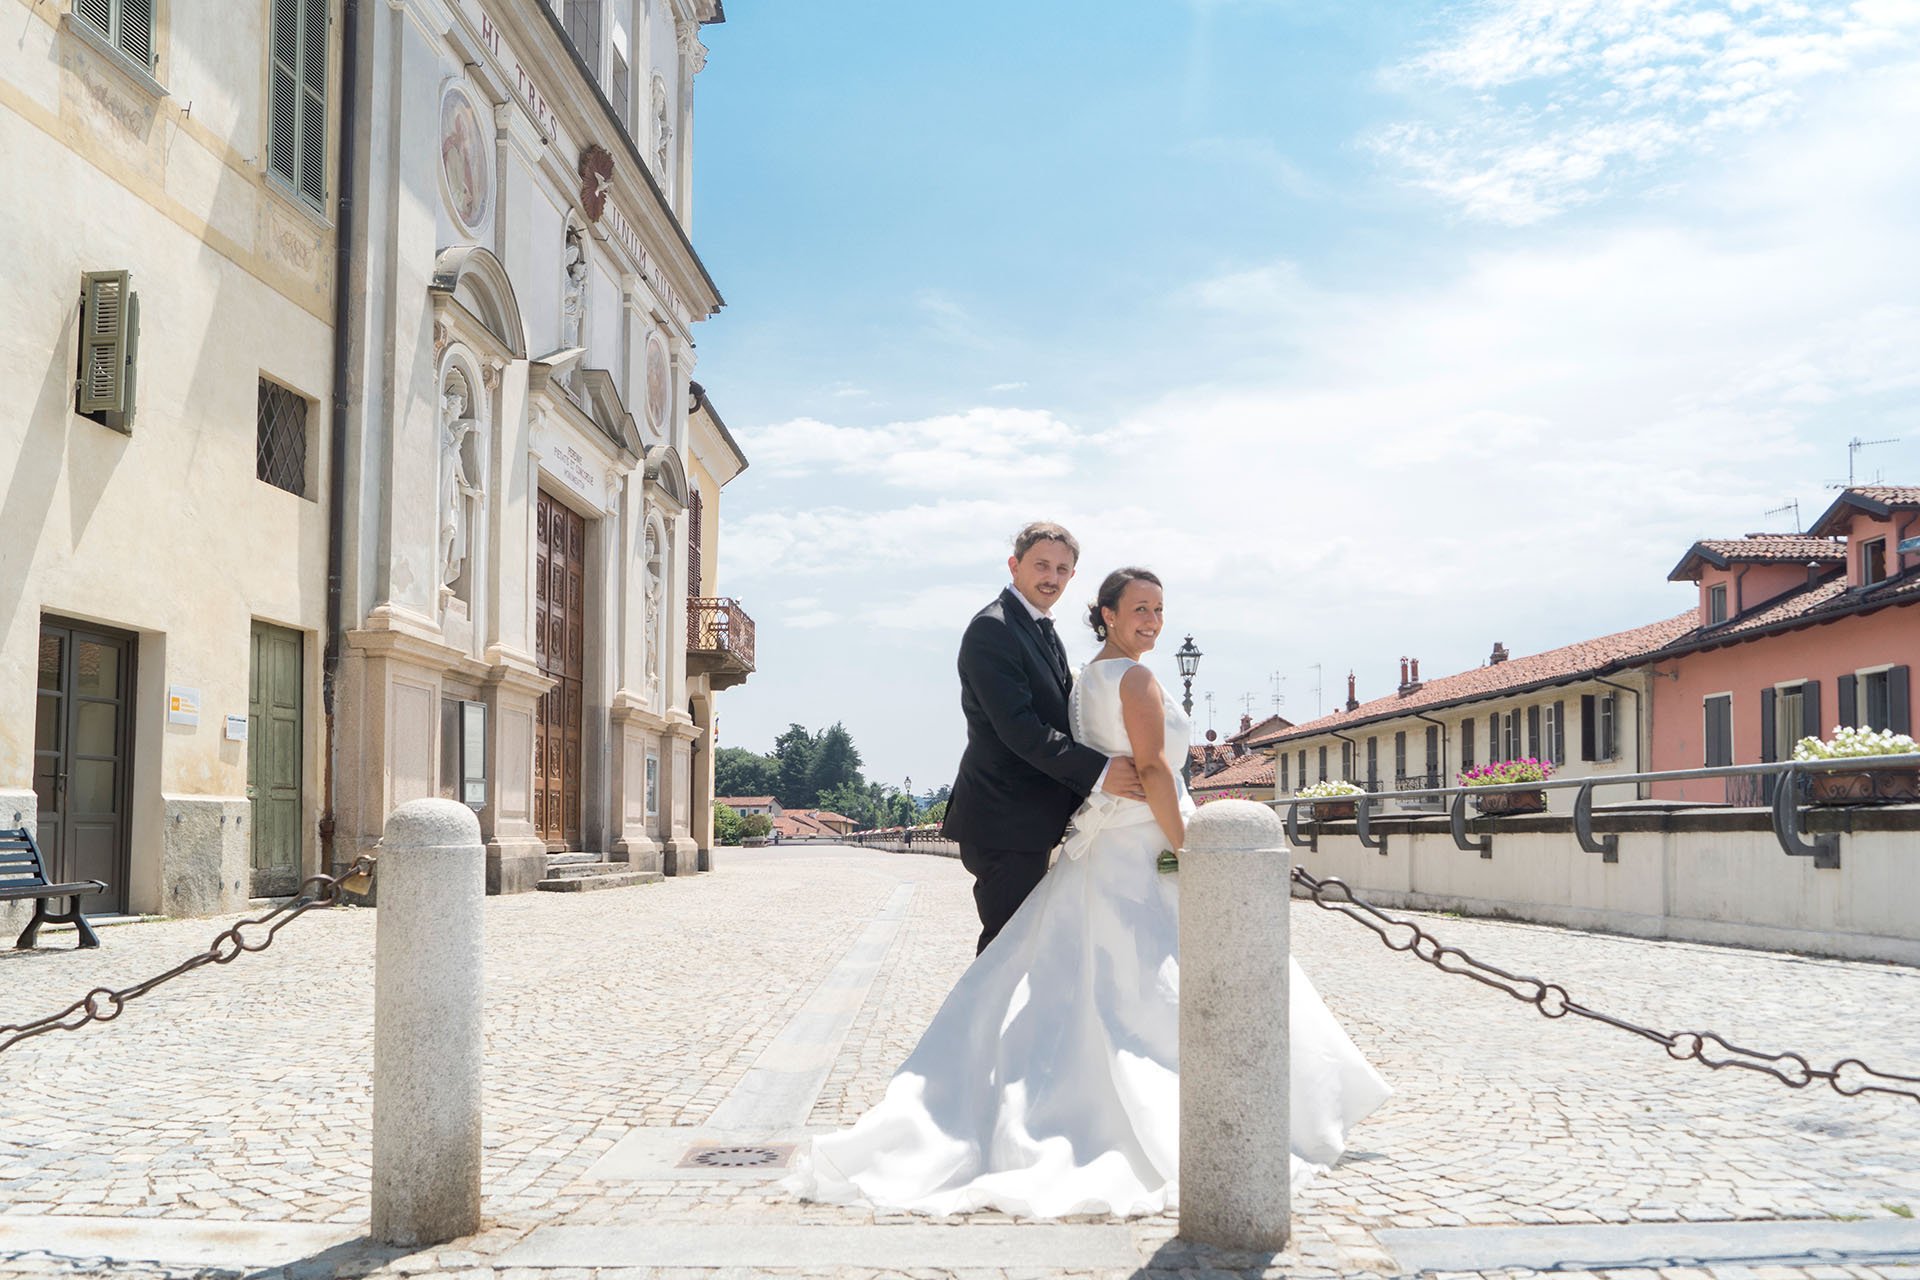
1865, 786
1332, 810
1510, 802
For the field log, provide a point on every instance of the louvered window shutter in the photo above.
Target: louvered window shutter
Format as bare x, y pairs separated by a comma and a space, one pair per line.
1899, 701
103, 342
1493, 738
1399, 758
1559, 743
1849, 709
1809, 711
1533, 732
1589, 723
1769, 729
135, 36
297, 75
695, 578
313, 100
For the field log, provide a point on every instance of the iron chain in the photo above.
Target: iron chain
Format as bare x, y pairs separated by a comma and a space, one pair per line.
1849, 1076
104, 1004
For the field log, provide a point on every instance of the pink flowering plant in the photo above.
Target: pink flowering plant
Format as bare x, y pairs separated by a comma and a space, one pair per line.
1501, 772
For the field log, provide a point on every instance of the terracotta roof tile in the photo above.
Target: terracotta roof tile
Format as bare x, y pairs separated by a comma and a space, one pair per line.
1759, 548
740, 800
1892, 494
1255, 770
1811, 604
1566, 663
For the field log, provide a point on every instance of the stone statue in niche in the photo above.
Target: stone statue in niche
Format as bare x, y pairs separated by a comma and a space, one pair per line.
662, 135
573, 296
459, 495
656, 588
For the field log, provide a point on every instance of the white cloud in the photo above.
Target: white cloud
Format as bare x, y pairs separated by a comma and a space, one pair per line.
1007, 386
979, 447
1557, 102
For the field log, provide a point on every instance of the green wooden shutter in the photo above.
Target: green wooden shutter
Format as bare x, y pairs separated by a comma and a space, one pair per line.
1769, 730
297, 91
134, 36
99, 13
1809, 711
313, 100
1849, 710
103, 342
1466, 743
1559, 744
1533, 732
1899, 701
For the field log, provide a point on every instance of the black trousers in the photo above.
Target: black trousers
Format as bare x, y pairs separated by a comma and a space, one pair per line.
1002, 879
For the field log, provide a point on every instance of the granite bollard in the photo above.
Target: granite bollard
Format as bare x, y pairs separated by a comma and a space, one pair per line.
1235, 886
427, 1025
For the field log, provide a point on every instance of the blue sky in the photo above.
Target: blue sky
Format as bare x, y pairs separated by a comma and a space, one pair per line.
1376, 329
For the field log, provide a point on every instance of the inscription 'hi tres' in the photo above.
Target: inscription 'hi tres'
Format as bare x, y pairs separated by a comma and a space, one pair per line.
523, 83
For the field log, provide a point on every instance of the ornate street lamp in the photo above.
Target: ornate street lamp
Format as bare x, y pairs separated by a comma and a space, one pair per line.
1189, 659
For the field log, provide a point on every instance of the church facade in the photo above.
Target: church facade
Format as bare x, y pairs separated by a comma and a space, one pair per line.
519, 485
358, 455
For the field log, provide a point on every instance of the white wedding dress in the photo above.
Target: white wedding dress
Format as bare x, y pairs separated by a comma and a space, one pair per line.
1049, 1082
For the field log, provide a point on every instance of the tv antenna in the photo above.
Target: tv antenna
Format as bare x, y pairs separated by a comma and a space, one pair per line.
1315, 668
1209, 697
1246, 704
1854, 446
1278, 684
1791, 504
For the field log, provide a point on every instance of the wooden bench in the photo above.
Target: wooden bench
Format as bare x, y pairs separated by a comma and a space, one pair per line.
23, 875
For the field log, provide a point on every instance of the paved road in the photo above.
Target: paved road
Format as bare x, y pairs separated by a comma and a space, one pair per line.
622, 1023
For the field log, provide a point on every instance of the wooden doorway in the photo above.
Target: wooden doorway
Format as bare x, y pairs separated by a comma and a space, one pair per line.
560, 643
82, 756
273, 759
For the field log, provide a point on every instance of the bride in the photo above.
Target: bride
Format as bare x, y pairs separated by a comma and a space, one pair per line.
1048, 1083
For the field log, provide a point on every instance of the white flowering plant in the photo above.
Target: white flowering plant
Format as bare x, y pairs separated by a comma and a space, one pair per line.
1848, 743
1331, 789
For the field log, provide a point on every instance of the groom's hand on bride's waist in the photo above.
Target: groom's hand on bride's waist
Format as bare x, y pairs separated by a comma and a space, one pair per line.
1122, 779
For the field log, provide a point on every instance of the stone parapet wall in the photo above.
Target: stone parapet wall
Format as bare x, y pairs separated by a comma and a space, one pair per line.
1712, 875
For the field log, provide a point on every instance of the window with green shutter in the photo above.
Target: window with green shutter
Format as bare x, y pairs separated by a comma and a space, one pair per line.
297, 123
109, 343
127, 25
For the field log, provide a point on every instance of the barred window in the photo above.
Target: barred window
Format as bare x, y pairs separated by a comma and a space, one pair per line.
280, 442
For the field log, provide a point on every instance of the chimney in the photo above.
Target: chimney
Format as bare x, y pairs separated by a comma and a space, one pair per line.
1416, 671
1403, 675
1499, 654
1409, 676
1813, 572
1353, 701
1246, 722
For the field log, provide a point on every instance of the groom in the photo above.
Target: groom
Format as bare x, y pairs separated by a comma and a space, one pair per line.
1022, 774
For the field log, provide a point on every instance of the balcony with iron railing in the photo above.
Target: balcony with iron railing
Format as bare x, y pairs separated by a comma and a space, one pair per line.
719, 641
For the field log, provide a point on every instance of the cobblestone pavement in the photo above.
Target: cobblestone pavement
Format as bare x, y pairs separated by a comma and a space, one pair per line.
242, 1092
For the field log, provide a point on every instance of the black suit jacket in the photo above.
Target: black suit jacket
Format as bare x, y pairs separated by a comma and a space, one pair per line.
1022, 774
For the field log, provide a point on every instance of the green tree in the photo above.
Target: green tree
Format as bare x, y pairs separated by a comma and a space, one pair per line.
835, 760
739, 772
850, 800
902, 812
755, 824
793, 753
726, 824
936, 812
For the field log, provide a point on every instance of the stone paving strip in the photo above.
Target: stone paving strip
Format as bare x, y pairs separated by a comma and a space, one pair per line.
621, 1024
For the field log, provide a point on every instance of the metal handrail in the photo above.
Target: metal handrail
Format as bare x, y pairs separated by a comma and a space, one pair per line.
1823, 848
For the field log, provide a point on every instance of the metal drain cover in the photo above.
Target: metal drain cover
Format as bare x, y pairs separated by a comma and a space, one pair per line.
770, 1156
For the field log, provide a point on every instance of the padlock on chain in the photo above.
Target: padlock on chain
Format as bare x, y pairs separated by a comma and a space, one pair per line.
360, 878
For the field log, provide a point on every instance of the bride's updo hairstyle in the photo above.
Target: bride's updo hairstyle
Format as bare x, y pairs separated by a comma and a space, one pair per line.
1111, 589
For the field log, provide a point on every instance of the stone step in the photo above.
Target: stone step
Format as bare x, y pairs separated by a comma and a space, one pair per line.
616, 879
566, 870
571, 859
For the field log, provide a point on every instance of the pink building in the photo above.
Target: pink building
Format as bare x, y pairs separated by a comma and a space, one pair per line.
1797, 634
